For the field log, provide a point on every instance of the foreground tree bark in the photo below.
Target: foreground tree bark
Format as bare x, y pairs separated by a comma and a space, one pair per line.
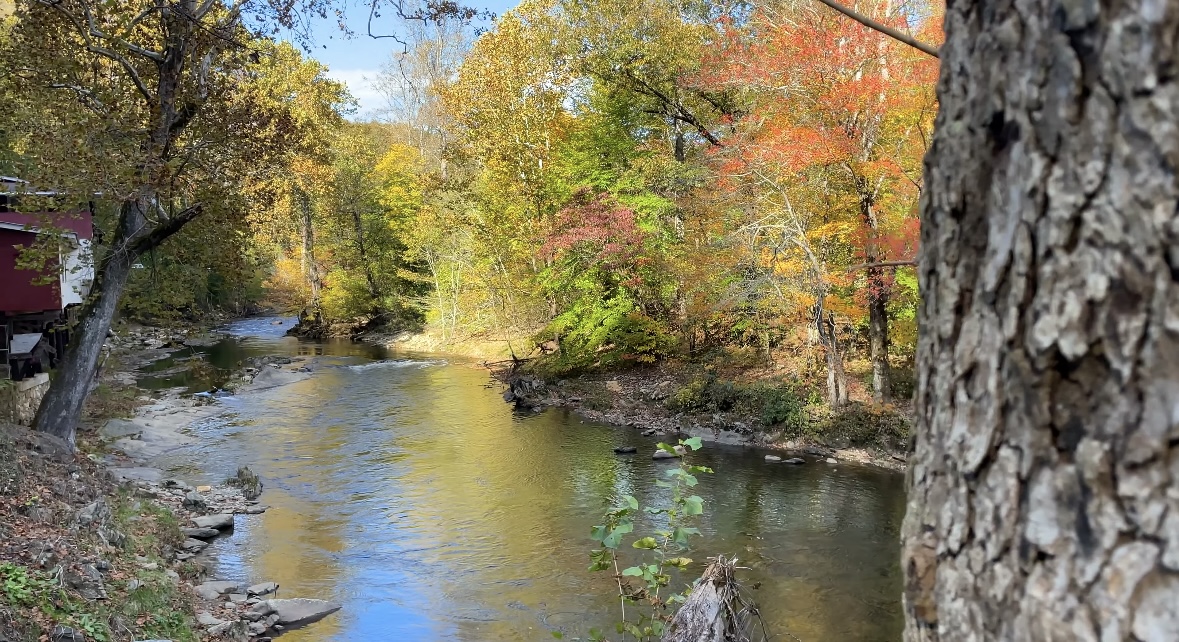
1044, 502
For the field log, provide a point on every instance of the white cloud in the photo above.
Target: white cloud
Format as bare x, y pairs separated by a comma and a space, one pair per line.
362, 85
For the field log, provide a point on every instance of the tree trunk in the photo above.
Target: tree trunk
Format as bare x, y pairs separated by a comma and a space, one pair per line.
878, 293
358, 224
310, 268
1044, 482
837, 394
878, 335
61, 408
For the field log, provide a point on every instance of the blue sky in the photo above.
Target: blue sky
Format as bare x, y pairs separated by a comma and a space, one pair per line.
356, 61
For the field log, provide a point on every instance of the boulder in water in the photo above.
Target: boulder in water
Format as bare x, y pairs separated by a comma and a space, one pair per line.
773, 458
302, 610
222, 522
625, 450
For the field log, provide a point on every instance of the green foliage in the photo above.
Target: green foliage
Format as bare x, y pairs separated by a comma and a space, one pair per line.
641, 584
861, 424
603, 336
776, 405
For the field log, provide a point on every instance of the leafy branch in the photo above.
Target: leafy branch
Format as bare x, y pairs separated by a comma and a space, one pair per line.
660, 552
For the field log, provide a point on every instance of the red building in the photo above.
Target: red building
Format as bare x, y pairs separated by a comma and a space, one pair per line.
34, 305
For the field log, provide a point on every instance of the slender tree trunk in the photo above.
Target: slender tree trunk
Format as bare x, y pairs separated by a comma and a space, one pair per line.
837, 394
1044, 482
310, 267
358, 225
878, 294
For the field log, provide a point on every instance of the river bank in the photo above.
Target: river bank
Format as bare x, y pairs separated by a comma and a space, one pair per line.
377, 476
98, 545
646, 399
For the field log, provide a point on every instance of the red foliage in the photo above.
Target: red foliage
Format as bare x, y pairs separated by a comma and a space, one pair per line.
595, 228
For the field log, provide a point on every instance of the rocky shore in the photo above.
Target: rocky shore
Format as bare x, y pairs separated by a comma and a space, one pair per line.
100, 545
639, 400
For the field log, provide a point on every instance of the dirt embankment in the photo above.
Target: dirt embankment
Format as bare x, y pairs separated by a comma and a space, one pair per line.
97, 546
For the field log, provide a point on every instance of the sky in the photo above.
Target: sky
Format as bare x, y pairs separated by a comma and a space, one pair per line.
356, 61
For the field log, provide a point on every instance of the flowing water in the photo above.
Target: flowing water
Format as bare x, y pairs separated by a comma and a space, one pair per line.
406, 489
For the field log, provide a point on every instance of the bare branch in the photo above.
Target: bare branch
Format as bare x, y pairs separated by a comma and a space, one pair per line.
884, 29
882, 264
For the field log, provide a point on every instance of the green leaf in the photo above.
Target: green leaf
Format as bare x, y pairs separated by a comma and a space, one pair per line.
633, 571
690, 480
657, 628
596, 634
558, 635
648, 543
693, 443
666, 448
693, 505
680, 535
678, 562
614, 538
632, 502
700, 469
598, 533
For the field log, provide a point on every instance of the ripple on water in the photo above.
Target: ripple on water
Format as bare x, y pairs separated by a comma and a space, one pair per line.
420, 501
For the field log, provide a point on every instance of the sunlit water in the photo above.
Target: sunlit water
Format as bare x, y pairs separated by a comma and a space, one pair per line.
406, 489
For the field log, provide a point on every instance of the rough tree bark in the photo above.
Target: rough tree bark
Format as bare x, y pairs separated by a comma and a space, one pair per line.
1044, 502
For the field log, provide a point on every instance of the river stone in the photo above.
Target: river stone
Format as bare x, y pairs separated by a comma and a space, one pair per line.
265, 588
773, 458
302, 610
794, 460
663, 454
625, 450
220, 522
832, 460
193, 499
143, 474
206, 619
200, 533
216, 588
194, 545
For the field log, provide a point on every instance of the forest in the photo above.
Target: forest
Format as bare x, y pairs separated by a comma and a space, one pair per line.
629, 181
752, 187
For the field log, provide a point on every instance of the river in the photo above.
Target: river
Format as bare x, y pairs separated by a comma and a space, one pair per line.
405, 488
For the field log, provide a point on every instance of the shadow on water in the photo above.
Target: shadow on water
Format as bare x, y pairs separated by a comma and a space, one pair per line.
411, 493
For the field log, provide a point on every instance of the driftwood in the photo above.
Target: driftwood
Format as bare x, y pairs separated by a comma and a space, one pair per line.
716, 610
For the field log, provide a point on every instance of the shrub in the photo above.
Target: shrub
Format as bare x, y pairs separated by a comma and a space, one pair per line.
866, 425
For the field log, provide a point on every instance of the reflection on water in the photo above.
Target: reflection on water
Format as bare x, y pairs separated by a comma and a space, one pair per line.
413, 495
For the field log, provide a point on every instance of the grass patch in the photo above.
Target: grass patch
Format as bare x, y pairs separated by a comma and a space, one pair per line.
111, 400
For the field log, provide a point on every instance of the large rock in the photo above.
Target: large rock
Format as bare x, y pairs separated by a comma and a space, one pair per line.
194, 545
301, 610
773, 458
96, 512
200, 533
207, 619
150, 475
216, 588
794, 460
265, 588
222, 522
195, 500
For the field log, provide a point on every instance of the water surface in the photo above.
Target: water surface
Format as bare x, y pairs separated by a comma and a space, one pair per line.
406, 489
